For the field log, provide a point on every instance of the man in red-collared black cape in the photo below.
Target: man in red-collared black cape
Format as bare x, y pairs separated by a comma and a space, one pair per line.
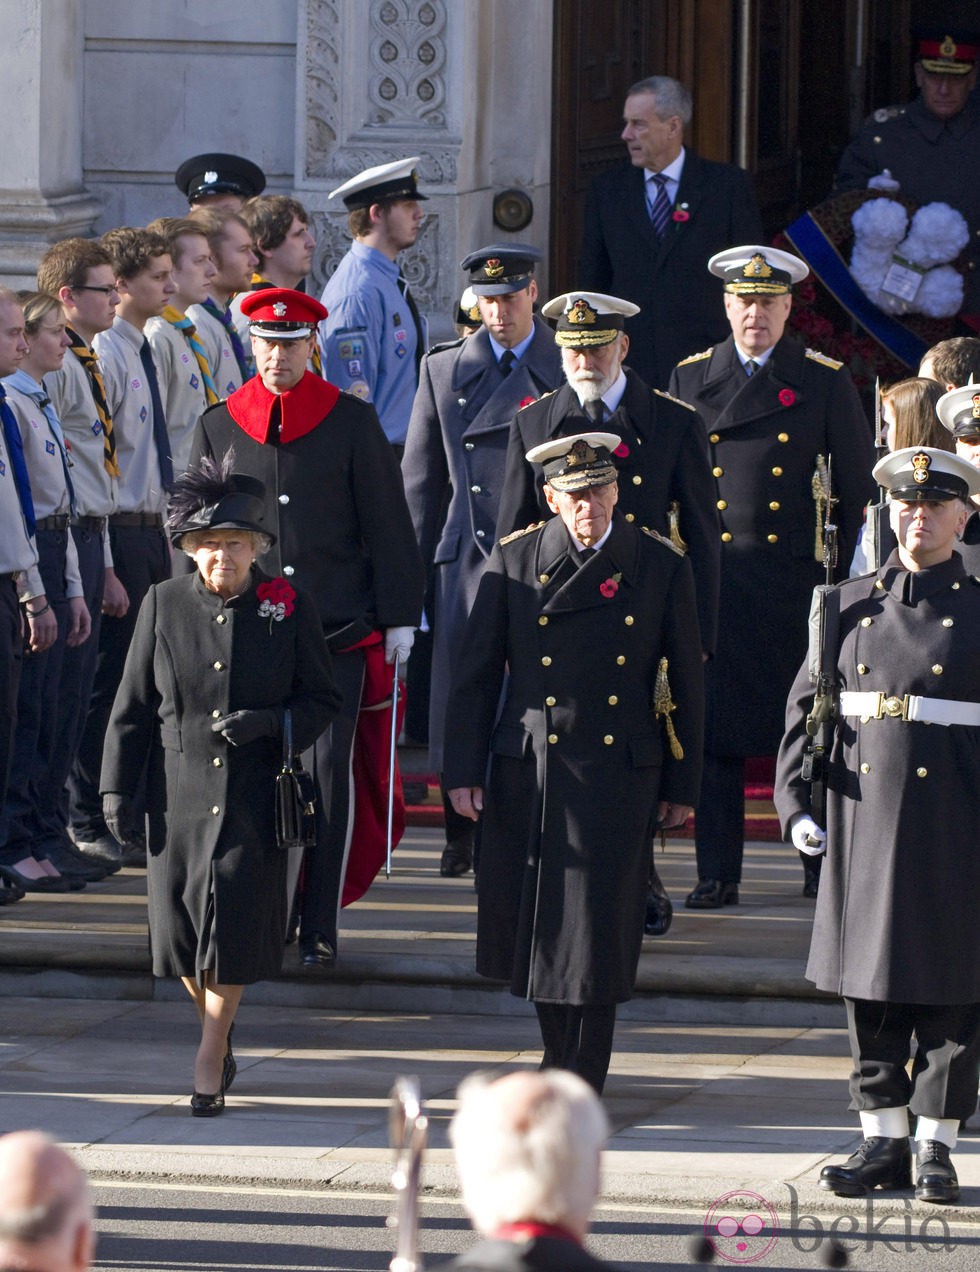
335, 501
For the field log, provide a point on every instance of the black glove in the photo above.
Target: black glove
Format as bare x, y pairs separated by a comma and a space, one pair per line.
117, 811
241, 727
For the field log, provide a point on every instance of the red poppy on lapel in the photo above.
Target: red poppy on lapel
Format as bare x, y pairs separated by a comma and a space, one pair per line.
621, 451
681, 213
787, 397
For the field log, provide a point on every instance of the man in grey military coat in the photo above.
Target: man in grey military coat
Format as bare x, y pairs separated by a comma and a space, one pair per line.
469, 392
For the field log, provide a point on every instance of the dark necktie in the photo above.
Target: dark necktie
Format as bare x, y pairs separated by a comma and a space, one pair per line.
160, 436
224, 317
660, 206
751, 366
586, 554
54, 424
15, 449
91, 364
595, 409
507, 360
416, 321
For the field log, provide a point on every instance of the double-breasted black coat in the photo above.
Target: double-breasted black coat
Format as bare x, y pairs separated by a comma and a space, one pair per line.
764, 434
454, 454
578, 761
896, 917
215, 878
663, 459
680, 302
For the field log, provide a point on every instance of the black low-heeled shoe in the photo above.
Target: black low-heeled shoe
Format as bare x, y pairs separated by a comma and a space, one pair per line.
229, 1067
207, 1105
44, 883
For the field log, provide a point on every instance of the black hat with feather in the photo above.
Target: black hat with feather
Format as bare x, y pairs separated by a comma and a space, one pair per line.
212, 496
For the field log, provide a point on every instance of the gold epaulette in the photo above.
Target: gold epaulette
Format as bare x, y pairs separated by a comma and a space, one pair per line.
540, 399
516, 534
661, 538
824, 359
670, 398
696, 357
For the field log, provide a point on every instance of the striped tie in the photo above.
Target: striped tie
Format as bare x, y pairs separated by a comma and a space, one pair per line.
187, 329
91, 364
660, 207
751, 367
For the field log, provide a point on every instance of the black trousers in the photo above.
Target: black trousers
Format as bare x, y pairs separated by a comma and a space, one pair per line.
946, 1068
719, 820
578, 1038
11, 657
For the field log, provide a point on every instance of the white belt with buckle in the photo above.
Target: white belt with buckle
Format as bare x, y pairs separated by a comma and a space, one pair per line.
876, 705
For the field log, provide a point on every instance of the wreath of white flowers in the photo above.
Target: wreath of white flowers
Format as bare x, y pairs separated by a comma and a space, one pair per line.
905, 268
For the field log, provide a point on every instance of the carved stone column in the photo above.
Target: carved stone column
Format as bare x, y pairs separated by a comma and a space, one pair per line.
42, 199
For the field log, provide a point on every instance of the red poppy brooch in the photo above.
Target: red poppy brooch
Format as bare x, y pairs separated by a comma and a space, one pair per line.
681, 213
609, 587
787, 397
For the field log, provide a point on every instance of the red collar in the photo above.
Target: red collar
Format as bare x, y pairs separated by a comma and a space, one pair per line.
528, 1230
303, 407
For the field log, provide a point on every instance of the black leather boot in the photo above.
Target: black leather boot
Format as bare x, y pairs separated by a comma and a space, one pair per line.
878, 1163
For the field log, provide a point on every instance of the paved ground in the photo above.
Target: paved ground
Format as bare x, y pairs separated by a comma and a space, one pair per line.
729, 1074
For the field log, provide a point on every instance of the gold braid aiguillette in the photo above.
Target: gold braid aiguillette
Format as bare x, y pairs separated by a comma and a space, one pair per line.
663, 705
819, 484
674, 522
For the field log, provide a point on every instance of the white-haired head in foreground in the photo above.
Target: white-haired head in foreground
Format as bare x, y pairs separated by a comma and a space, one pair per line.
46, 1220
528, 1148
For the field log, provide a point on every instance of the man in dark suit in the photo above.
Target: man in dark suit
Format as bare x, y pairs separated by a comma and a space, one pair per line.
468, 394
783, 423
649, 229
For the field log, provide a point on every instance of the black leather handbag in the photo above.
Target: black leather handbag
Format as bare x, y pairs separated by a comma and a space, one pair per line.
295, 796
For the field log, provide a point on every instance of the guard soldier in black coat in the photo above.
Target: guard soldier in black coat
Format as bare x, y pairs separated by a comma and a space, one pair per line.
593, 620
895, 931
780, 419
959, 411
335, 501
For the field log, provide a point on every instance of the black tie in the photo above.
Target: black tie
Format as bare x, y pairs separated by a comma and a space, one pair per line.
416, 321
160, 436
585, 554
595, 410
751, 366
507, 360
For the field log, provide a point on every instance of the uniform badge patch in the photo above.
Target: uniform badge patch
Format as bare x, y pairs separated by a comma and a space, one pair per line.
195, 382
135, 385
143, 414
185, 358
3, 469
96, 427
354, 366
360, 389
49, 448
351, 348
401, 350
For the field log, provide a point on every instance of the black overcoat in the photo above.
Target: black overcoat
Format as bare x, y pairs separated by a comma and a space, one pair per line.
454, 455
665, 460
577, 759
334, 498
680, 303
896, 917
764, 434
215, 879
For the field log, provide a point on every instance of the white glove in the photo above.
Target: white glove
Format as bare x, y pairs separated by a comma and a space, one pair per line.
802, 829
399, 640
883, 181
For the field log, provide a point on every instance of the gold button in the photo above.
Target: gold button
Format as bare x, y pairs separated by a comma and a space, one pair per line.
218, 762
218, 665
937, 669
552, 738
215, 714
722, 504
613, 700
637, 479
550, 701
922, 772
717, 472
621, 660
862, 669
215, 810
772, 538
628, 620
879, 585
865, 768
543, 578
782, 437
777, 471
221, 619
713, 437
866, 622
609, 739
630, 516
546, 661
726, 537
543, 620
774, 506
947, 622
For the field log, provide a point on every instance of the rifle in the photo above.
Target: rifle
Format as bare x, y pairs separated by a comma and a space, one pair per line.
822, 663
877, 516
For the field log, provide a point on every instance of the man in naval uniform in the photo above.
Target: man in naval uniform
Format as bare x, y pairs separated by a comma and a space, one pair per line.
782, 422
457, 441
335, 501
959, 411
925, 151
587, 623
895, 931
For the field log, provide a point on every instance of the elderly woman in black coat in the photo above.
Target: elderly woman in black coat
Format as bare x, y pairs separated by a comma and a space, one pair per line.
217, 657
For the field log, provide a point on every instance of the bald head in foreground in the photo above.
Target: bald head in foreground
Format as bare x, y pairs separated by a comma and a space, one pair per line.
528, 1151
46, 1217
